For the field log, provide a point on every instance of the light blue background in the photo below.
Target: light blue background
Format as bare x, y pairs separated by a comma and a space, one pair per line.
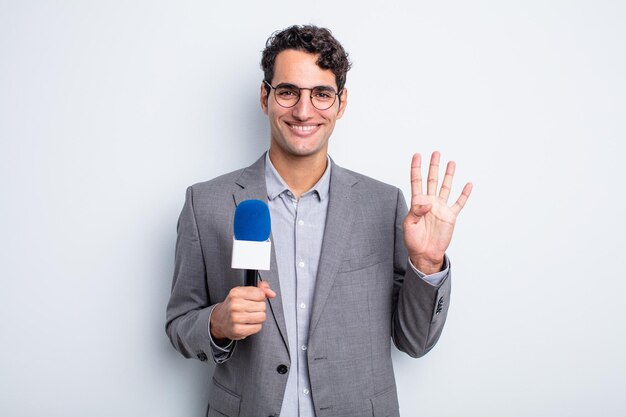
109, 109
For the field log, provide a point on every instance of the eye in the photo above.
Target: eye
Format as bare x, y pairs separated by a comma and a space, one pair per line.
323, 94
286, 93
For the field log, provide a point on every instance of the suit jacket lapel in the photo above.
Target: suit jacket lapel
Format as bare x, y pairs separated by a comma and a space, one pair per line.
252, 181
339, 219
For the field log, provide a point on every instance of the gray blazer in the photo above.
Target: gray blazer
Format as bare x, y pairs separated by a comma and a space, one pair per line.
366, 295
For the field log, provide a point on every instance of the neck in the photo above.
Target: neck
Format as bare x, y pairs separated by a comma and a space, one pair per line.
300, 173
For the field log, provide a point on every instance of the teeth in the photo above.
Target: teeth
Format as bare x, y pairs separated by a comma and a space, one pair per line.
302, 128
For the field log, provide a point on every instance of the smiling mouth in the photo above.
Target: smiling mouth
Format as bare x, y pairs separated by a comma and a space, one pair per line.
303, 130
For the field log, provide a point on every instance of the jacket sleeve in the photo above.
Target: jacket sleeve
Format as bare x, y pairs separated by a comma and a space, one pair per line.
190, 305
420, 309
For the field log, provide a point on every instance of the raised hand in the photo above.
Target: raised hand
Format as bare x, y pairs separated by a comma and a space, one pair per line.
430, 222
242, 313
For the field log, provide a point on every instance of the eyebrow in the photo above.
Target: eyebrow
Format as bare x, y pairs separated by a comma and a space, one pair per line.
324, 88
317, 87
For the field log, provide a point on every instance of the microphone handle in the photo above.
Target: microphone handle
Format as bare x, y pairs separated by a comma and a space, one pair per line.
251, 278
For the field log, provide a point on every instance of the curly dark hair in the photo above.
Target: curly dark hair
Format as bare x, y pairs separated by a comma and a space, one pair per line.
312, 39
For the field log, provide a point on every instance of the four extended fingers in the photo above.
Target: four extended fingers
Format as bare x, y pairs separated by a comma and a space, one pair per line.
433, 179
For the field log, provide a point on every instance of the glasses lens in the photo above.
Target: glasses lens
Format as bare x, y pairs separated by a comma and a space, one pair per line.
287, 96
323, 98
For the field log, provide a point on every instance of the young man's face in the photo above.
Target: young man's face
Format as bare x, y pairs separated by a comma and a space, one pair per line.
302, 130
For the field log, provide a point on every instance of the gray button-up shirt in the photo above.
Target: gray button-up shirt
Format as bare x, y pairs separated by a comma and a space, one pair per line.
298, 230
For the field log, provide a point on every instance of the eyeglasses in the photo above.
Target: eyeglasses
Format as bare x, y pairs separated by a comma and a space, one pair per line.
288, 95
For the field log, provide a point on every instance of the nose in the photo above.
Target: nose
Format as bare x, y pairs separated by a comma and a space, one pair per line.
304, 109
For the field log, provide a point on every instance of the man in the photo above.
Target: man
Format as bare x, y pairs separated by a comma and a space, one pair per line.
350, 269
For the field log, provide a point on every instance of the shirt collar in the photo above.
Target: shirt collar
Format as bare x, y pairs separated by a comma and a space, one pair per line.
276, 185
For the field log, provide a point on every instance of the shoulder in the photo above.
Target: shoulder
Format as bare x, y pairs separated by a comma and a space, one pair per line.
223, 183
213, 199
228, 183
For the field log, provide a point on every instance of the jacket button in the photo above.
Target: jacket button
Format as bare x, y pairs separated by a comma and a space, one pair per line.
202, 356
282, 369
439, 306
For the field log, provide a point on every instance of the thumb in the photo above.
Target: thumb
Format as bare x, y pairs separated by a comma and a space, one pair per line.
269, 293
419, 210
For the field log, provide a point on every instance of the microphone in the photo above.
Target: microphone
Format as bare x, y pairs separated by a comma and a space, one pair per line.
251, 239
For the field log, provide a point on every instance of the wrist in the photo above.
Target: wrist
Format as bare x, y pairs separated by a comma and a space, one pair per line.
214, 328
427, 266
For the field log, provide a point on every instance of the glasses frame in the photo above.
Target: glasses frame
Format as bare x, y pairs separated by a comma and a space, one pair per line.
337, 95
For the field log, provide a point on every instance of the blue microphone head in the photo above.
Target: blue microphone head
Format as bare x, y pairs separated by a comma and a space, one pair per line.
252, 221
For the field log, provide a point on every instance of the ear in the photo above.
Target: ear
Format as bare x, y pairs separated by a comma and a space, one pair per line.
343, 103
263, 96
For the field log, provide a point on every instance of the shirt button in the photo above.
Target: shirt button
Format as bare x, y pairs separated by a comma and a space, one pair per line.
303, 347
305, 391
301, 222
302, 305
301, 264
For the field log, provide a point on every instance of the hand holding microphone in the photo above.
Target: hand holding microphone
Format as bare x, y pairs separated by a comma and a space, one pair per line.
242, 313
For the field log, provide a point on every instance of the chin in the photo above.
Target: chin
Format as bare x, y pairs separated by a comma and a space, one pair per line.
303, 152
296, 150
